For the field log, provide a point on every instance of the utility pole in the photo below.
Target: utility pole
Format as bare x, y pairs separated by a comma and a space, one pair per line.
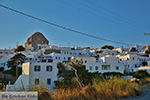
17, 44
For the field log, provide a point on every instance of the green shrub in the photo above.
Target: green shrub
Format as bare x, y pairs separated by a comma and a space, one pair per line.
111, 74
13, 71
1, 69
141, 74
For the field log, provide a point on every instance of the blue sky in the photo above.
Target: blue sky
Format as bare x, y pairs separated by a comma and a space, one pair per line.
117, 20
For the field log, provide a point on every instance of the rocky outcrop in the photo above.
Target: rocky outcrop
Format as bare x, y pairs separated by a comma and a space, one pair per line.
35, 39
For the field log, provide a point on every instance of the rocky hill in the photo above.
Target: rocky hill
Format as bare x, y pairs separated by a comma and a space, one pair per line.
35, 39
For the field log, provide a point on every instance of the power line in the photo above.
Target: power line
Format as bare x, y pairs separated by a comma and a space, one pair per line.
116, 14
63, 27
90, 13
101, 12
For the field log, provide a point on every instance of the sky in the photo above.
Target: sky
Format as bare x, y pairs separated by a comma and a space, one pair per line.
117, 20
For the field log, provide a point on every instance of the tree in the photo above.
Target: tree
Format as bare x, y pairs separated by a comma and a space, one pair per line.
19, 48
99, 51
107, 47
144, 63
15, 61
141, 74
133, 50
61, 67
84, 77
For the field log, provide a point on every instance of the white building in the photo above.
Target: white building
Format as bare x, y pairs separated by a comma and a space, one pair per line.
132, 61
5, 55
107, 63
4, 52
58, 57
36, 74
85, 52
3, 61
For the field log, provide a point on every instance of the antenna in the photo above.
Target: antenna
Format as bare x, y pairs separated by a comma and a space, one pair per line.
69, 44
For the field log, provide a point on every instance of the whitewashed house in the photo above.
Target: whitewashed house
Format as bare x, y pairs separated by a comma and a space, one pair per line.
132, 61
58, 57
36, 74
3, 61
108, 63
85, 52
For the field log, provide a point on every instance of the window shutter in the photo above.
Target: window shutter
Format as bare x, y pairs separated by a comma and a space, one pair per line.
34, 68
50, 68
39, 68
46, 68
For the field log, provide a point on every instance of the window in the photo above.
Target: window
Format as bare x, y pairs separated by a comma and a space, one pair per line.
128, 66
36, 81
37, 68
96, 68
117, 67
105, 67
56, 57
85, 61
30, 58
135, 65
0, 52
50, 60
48, 68
43, 60
59, 57
48, 81
64, 58
133, 58
90, 68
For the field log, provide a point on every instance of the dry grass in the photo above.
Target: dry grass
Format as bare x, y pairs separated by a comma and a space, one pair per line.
145, 83
100, 90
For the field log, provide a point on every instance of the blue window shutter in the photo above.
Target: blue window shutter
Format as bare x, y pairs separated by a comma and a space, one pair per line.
39, 68
48, 81
34, 68
46, 68
51, 68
